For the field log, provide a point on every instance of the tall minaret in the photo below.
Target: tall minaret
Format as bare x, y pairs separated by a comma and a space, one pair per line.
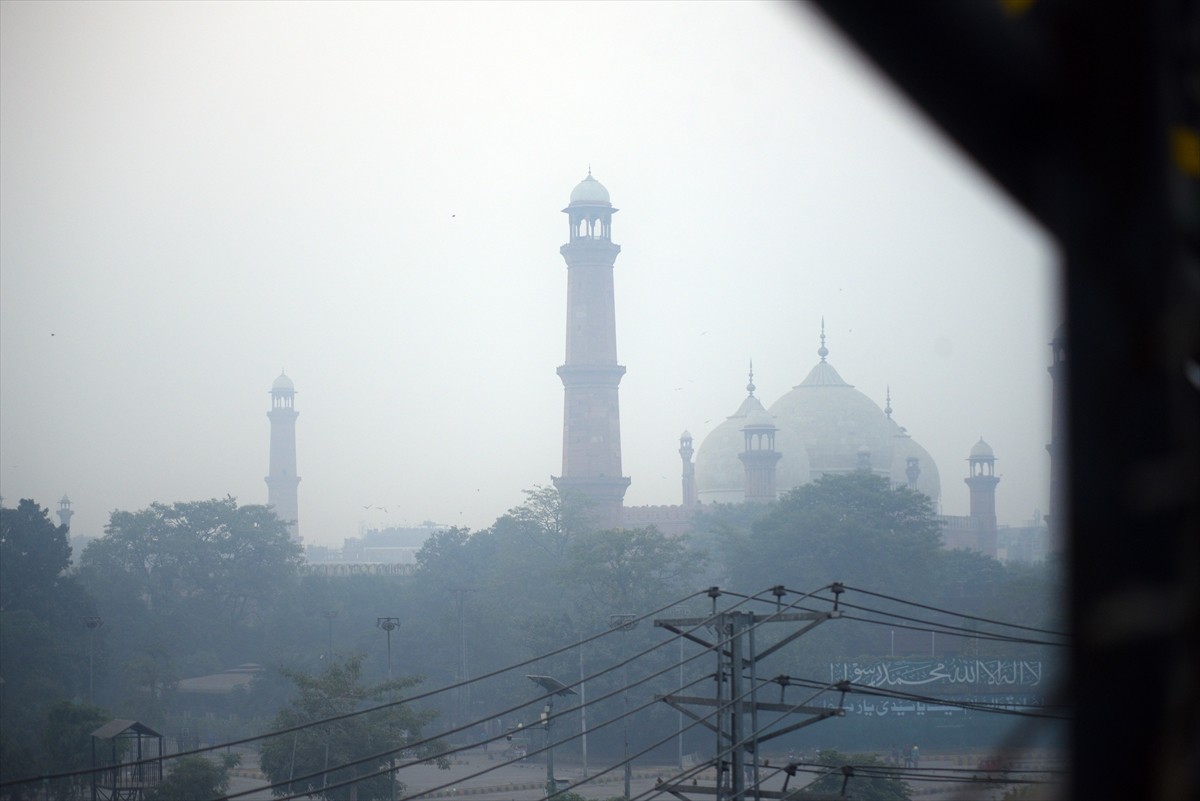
591, 417
64, 511
689, 468
282, 481
982, 482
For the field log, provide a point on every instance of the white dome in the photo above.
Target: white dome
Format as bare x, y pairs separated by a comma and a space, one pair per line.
721, 475
590, 192
823, 424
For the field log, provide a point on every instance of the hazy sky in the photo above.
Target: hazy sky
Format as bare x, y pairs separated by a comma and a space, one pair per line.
196, 195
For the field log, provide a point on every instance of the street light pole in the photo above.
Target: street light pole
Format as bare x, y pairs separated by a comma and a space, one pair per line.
390, 624
555, 687
92, 622
625, 622
329, 615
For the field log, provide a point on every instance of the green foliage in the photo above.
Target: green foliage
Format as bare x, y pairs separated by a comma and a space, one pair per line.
34, 557
627, 569
195, 778
211, 555
852, 528
860, 787
324, 750
192, 583
65, 743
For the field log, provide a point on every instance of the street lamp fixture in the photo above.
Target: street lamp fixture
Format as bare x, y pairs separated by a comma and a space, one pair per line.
388, 624
550, 685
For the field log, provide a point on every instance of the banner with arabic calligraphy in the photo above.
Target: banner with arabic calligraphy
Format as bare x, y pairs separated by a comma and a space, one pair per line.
963, 674
880, 707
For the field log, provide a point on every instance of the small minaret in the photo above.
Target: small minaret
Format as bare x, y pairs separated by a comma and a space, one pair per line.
282, 482
1058, 428
760, 456
64, 511
982, 481
591, 464
689, 468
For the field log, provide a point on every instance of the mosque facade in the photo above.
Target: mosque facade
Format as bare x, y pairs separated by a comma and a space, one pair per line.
822, 426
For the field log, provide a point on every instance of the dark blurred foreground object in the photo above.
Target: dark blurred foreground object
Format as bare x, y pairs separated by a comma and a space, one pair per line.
1087, 116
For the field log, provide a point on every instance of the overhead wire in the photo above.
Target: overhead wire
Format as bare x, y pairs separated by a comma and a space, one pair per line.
671, 667
957, 614
376, 757
563, 712
357, 712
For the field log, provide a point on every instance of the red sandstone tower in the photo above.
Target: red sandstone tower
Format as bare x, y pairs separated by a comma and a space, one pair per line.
982, 482
283, 482
591, 417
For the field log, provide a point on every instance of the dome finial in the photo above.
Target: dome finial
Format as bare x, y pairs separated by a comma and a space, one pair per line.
822, 351
589, 169
750, 386
887, 408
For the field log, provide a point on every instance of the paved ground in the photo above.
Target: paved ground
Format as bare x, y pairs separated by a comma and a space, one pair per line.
525, 781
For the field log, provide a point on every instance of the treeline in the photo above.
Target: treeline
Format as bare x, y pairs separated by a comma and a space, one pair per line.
190, 589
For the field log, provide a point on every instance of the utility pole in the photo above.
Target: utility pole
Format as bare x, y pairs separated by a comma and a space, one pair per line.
625, 622
555, 687
736, 695
92, 622
463, 693
390, 624
329, 615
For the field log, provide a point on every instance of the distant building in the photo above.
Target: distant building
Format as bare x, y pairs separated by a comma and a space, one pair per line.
397, 545
282, 481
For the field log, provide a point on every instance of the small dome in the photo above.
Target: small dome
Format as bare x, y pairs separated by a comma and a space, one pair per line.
982, 450
759, 418
283, 384
685, 435
590, 192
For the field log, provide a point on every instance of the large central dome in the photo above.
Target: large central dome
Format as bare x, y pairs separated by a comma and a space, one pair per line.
826, 426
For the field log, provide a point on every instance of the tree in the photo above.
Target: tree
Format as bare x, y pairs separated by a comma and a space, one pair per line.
195, 777
34, 555
628, 569
192, 583
66, 744
228, 558
872, 787
323, 750
852, 528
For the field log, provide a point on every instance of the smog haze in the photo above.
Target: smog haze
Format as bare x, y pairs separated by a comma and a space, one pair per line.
197, 196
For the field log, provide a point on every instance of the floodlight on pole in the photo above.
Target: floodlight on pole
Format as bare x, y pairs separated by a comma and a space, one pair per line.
388, 624
555, 687
92, 622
